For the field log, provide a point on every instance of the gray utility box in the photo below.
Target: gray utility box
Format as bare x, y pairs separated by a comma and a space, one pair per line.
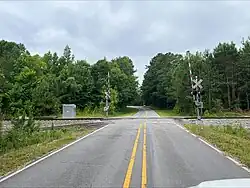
69, 110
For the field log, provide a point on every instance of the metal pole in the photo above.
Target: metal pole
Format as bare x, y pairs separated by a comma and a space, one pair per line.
197, 100
196, 97
107, 111
202, 106
107, 97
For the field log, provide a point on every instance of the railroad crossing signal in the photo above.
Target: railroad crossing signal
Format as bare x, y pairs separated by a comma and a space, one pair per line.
196, 90
197, 84
108, 100
199, 104
107, 97
106, 108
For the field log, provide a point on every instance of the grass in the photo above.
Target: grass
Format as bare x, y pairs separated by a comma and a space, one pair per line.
122, 113
226, 114
15, 158
233, 140
89, 114
165, 112
125, 112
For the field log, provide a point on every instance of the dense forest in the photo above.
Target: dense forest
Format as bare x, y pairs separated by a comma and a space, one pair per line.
225, 72
39, 85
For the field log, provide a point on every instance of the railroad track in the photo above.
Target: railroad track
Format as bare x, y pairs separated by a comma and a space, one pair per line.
57, 122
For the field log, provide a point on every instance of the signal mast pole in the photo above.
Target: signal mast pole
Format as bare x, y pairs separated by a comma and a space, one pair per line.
196, 90
107, 97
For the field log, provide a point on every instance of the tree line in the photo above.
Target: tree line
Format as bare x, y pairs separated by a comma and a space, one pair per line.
225, 71
38, 85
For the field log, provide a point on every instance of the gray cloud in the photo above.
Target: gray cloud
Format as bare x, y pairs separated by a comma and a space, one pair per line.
139, 29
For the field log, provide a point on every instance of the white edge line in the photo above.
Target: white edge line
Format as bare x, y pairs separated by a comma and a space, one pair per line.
211, 146
180, 127
193, 134
231, 159
47, 156
245, 168
219, 151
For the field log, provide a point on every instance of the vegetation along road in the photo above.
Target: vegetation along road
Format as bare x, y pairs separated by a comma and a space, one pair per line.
138, 152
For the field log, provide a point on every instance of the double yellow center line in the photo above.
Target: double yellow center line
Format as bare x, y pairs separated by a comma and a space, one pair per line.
132, 160
144, 159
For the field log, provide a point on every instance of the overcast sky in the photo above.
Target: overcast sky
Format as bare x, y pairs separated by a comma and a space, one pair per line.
138, 29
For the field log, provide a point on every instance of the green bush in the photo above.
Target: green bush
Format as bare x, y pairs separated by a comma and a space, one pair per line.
176, 109
18, 138
26, 132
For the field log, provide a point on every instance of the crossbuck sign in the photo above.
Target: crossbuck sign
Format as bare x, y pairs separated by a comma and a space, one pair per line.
197, 84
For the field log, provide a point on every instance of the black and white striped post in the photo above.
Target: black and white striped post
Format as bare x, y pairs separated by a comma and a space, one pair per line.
190, 73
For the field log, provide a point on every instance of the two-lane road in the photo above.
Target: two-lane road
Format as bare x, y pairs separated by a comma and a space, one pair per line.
134, 153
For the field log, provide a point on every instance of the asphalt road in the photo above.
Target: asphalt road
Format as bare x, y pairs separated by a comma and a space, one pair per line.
134, 152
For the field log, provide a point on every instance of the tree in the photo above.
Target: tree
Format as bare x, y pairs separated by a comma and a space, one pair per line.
157, 87
244, 75
30, 83
224, 72
226, 58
